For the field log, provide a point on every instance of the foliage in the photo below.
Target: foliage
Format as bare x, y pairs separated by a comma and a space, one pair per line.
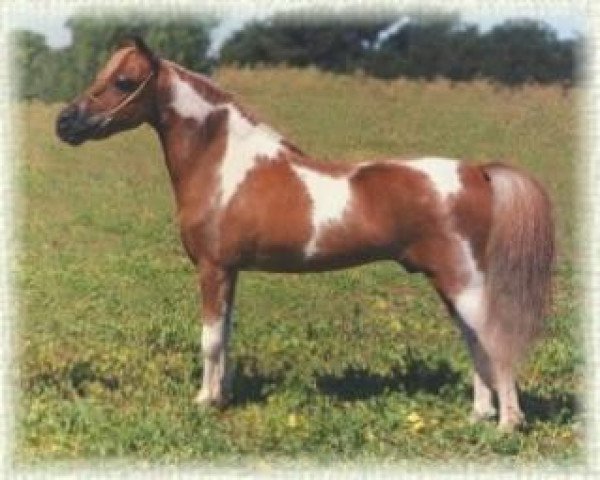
63, 73
518, 51
31, 59
337, 46
427, 47
357, 365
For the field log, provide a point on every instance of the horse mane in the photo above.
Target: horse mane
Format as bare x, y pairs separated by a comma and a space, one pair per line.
216, 95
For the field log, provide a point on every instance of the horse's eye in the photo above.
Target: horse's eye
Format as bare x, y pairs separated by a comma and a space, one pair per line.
125, 84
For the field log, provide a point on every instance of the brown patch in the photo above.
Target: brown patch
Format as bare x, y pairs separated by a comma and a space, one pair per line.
396, 204
115, 63
127, 62
267, 223
193, 156
472, 211
217, 289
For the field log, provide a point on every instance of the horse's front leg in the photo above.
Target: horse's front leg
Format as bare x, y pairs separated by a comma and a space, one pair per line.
217, 286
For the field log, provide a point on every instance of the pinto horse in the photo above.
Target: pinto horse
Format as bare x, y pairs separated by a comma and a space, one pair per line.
248, 199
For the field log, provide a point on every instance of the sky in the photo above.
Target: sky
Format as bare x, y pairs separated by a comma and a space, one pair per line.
566, 24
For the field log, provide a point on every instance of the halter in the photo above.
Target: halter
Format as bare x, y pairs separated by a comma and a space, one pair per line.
123, 103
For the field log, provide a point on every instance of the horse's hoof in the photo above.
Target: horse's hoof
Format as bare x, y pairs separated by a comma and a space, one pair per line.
512, 422
507, 427
482, 416
203, 400
206, 402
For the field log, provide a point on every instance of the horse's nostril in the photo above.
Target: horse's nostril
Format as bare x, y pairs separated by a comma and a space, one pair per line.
68, 113
67, 117
73, 125
63, 120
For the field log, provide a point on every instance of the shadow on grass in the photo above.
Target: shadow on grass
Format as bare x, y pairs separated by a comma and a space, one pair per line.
251, 386
559, 408
418, 376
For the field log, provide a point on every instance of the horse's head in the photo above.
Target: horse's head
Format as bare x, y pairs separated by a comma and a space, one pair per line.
121, 97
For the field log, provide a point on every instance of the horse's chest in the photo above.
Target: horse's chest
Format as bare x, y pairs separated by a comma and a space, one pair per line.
199, 229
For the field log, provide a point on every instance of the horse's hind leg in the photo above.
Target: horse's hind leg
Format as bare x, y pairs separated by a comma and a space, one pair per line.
483, 407
469, 306
494, 369
498, 345
217, 290
489, 347
463, 287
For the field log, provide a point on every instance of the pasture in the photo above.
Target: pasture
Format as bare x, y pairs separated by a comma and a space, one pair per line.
353, 365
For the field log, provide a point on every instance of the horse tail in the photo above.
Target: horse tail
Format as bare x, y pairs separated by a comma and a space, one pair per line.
519, 255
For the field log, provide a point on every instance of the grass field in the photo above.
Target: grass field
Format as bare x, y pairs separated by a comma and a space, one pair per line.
349, 366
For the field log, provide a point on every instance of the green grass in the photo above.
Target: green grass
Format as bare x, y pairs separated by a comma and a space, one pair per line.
349, 366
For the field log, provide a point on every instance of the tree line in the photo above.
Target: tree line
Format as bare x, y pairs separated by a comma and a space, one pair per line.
512, 53
59, 74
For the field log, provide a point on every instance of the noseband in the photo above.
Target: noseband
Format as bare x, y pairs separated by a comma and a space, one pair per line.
123, 103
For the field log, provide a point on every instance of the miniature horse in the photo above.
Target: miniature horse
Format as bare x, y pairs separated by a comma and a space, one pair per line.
249, 199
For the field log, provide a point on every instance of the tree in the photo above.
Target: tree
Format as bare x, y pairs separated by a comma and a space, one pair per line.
61, 74
521, 50
429, 47
183, 40
31, 52
464, 54
426, 47
334, 45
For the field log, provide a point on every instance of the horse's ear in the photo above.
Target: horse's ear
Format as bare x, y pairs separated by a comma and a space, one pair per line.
138, 42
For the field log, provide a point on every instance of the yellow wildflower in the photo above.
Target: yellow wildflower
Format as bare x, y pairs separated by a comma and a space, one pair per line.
292, 420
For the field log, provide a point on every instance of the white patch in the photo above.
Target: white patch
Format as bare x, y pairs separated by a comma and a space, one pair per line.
443, 173
187, 102
213, 337
245, 142
213, 352
330, 198
471, 303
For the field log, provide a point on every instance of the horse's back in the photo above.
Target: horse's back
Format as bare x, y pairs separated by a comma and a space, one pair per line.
416, 198
424, 211
289, 216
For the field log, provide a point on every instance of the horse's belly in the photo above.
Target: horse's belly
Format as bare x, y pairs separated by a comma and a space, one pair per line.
298, 262
334, 247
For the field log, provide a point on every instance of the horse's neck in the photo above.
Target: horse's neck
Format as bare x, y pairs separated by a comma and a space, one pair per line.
189, 122
205, 134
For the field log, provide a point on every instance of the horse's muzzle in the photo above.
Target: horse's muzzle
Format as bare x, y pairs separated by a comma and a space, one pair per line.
74, 126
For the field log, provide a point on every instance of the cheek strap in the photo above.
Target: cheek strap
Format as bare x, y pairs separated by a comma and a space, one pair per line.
123, 103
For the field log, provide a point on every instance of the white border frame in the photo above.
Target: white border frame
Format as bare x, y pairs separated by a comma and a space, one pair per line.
589, 221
